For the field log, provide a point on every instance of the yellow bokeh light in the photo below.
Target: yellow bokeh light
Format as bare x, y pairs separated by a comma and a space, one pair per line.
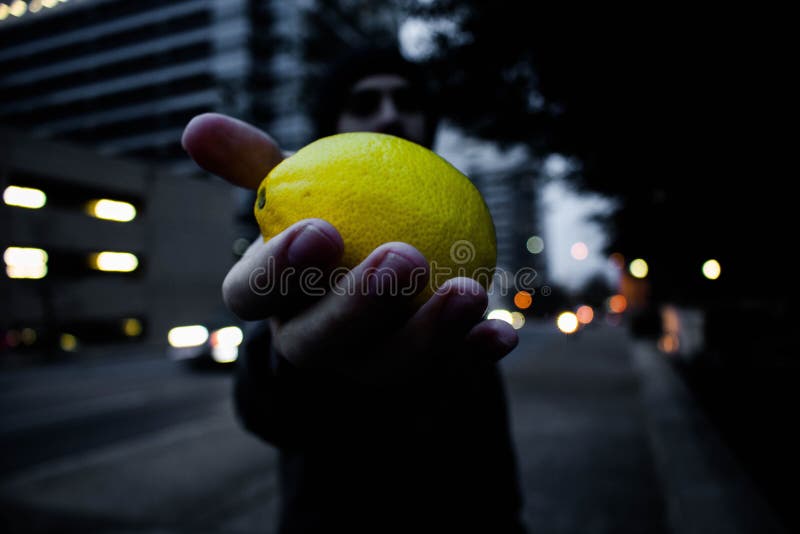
35, 6
24, 197
585, 314
503, 315
579, 251
567, 322
132, 327
638, 268
712, 269
111, 210
517, 320
120, 262
18, 8
68, 342
3, 11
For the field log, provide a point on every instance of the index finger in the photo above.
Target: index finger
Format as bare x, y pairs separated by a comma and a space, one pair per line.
232, 149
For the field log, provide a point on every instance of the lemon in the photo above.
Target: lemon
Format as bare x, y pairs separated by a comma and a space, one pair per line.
375, 188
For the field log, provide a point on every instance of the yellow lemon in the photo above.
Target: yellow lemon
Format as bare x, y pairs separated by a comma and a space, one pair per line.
376, 188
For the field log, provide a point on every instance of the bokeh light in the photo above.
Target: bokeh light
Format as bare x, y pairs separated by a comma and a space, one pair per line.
585, 314
567, 322
24, 197
712, 269
617, 304
18, 8
119, 262
668, 343
523, 300
579, 251
132, 327
187, 336
535, 244
111, 210
68, 343
517, 320
25, 262
638, 268
503, 315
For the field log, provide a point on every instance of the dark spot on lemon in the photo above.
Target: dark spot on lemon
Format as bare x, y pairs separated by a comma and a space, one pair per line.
262, 198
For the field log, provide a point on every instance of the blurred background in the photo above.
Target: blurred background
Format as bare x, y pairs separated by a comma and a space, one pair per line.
633, 162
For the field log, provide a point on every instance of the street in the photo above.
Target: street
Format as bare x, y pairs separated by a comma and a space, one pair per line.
142, 444
129, 446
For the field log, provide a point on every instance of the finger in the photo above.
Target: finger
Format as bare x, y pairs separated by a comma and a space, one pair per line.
231, 149
267, 279
365, 306
492, 340
444, 320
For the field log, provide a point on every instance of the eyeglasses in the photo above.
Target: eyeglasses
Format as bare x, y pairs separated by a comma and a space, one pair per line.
366, 102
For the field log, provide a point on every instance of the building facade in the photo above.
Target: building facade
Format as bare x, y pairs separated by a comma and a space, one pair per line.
122, 79
100, 249
125, 77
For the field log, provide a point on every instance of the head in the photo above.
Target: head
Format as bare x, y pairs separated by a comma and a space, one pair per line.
376, 91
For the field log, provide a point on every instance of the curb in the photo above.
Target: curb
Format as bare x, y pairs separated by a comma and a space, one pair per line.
705, 488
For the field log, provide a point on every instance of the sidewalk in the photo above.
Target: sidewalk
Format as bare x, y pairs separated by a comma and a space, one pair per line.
609, 441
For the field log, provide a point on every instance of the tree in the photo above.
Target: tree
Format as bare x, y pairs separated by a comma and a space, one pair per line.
662, 108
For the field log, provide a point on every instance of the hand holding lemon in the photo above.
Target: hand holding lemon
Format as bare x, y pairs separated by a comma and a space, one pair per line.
351, 218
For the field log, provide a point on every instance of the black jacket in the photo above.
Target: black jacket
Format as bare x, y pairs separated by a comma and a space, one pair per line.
436, 457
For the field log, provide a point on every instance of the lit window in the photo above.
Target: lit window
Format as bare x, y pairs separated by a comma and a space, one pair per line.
24, 197
120, 262
111, 210
25, 262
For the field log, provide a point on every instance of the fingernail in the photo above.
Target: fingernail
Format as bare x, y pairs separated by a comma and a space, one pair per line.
312, 246
390, 275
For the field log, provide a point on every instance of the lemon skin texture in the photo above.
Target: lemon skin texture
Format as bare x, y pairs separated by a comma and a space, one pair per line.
375, 188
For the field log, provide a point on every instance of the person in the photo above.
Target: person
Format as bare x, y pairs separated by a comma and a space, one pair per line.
387, 418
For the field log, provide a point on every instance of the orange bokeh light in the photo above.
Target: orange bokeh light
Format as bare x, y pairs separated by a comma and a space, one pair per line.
669, 343
617, 303
523, 300
585, 314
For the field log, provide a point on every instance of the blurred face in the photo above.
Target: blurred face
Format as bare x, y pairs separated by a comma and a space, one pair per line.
384, 103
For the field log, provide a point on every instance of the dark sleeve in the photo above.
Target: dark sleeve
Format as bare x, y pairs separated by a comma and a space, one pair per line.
297, 409
268, 393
